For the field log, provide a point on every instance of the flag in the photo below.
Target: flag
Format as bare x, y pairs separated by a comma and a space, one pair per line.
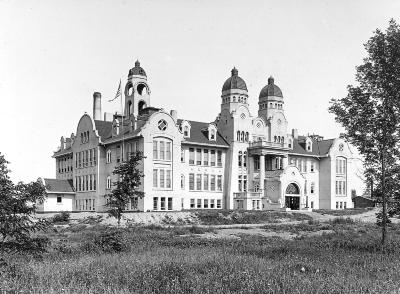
118, 92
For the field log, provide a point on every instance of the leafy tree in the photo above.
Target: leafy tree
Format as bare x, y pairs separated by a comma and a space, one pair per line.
17, 205
370, 115
126, 188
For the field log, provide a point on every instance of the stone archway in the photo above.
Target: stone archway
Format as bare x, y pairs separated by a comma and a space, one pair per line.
292, 197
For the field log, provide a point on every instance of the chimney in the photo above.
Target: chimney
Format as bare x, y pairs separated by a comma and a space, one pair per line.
295, 133
174, 114
97, 106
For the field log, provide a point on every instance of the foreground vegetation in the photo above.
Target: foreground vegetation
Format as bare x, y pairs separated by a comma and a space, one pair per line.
91, 258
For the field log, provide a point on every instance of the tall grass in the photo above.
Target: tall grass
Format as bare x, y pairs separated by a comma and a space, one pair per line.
158, 260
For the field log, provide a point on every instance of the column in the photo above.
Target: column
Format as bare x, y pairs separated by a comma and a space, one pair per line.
250, 172
262, 173
285, 161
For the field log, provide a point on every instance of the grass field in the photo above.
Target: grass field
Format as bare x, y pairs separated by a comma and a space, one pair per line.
91, 258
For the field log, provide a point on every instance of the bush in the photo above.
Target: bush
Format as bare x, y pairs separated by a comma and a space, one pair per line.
110, 240
62, 217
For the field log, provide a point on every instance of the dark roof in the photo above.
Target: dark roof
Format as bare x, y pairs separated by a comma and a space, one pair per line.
198, 134
104, 128
137, 70
271, 89
234, 82
319, 148
63, 152
54, 185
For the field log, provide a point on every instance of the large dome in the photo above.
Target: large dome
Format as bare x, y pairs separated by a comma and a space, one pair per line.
234, 82
137, 70
271, 89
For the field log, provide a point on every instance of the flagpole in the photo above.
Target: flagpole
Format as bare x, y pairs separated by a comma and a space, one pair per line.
123, 133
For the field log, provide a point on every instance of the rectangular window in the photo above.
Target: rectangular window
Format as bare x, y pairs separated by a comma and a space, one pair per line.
90, 183
155, 178
312, 204
205, 182
198, 203
212, 183
219, 158
162, 150
337, 205
168, 179
198, 182
344, 205
212, 203
169, 203
118, 153
155, 150
168, 152
191, 155
182, 155
192, 203
205, 203
94, 182
59, 199
205, 156
240, 184
341, 205
219, 183
198, 156
258, 204
212, 157
162, 203
218, 203
162, 178
155, 203
312, 167
191, 182
256, 162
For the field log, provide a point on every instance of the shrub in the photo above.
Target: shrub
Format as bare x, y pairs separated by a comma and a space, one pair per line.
110, 240
62, 217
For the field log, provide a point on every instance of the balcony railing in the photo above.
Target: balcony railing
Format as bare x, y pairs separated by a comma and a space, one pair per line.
242, 195
267, 144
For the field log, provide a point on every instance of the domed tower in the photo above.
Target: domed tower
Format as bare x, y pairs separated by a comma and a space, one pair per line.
234, 92
270, 100
137, 91
270, 107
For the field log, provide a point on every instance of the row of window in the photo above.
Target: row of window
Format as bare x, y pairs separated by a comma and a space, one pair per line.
239, 99
162, 178
131, 205
270, 163
85, 183
255, 204
204, 157
162, 203
341, 205
85, 137
242, 136
64, 164
205, 182
162, 150
85, 204
86, 158
340, 188
279, 139
303, 164
205, 203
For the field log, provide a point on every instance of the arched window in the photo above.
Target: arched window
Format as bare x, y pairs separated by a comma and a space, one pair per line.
141, 106
247, 136
240, 159
242, 137
182, 182
292, 189
108, 182
238, 136
275, 139
212, 136
290, 143
245, 159
186, 131
312, 189
130, 108
283, 140
234, 98
108, 156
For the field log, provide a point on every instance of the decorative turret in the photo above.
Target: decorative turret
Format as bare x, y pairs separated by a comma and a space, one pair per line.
234, 92
270, 99
137, 91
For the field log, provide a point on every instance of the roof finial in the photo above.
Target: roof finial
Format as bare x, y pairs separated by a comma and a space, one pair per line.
137, 63
234, 71
271, 80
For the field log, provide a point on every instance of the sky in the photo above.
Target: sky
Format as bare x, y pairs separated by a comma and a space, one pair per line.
55, 54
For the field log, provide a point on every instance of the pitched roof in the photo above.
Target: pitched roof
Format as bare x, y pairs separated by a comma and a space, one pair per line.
319, 148
199, 135
104, 128
54, 185
62, 152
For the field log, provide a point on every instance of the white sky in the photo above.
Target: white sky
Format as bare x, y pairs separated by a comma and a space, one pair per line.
55, 54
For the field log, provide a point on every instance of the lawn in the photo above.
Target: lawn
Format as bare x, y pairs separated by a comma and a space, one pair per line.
154, 259
343, 212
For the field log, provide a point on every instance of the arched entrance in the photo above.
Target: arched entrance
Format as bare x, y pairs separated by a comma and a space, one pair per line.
292, 197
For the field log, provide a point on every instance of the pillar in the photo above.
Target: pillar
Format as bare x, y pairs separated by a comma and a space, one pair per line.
285, 161
262, 173
250, 172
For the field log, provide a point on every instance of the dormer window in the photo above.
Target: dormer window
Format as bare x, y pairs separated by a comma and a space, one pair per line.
185, 126
212, 135
186, 131
308, 145
290, 143
212, 132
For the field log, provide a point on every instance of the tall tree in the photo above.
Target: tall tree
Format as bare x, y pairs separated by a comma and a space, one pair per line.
370, 115
17, 206
127, 187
